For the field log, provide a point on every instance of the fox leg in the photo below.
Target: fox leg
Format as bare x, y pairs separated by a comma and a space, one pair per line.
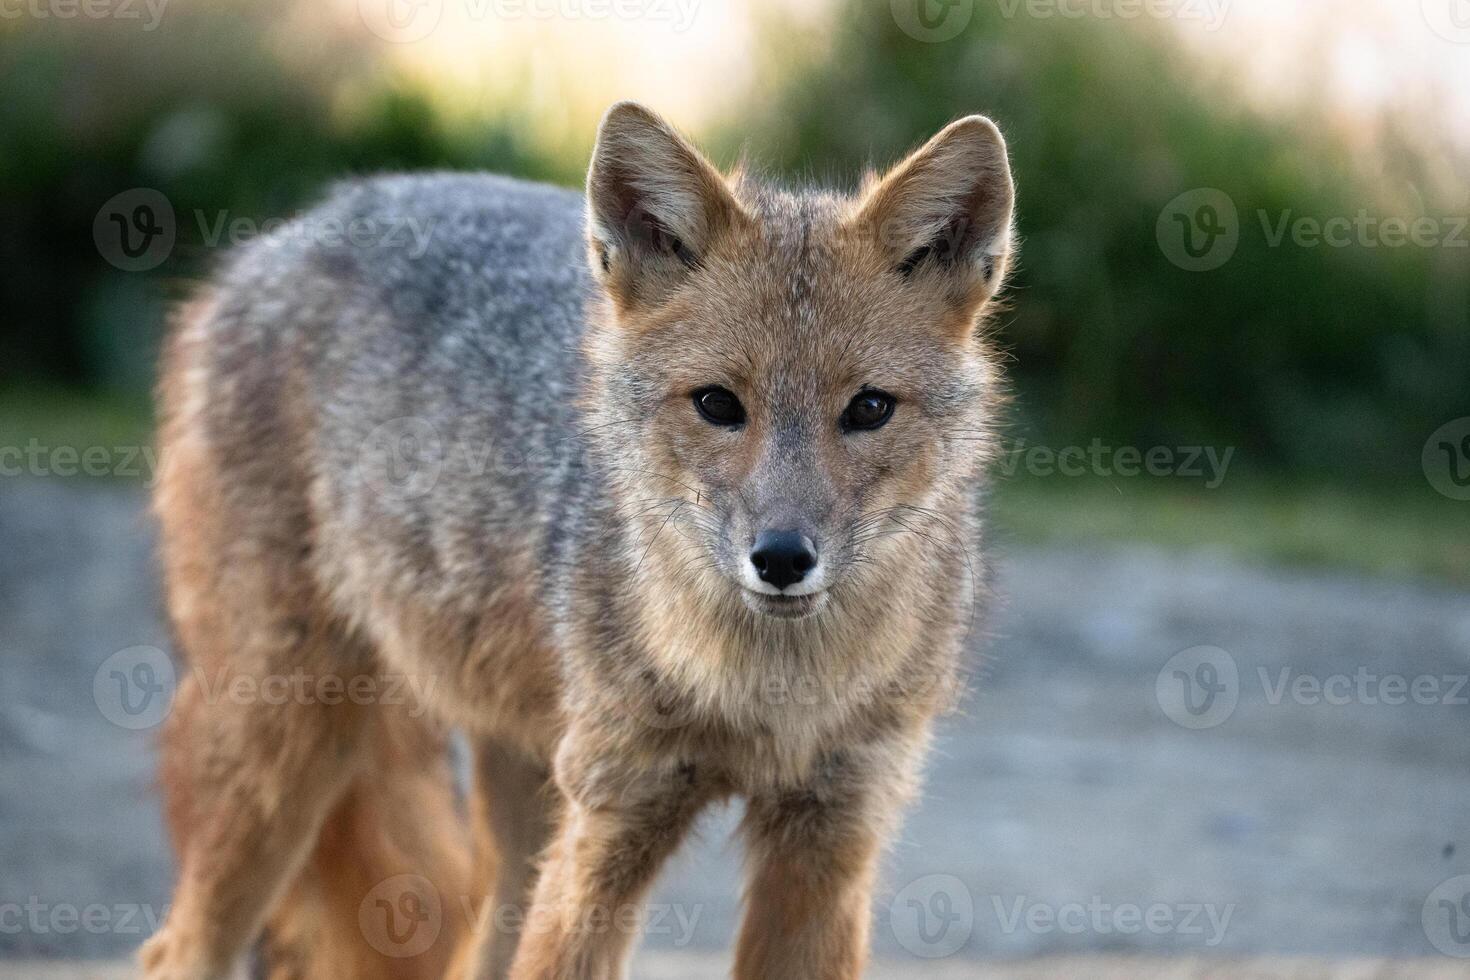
611, 840
513, 813
249, 786
812, 859
379, 898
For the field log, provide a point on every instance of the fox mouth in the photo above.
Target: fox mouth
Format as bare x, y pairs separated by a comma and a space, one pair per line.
784, 606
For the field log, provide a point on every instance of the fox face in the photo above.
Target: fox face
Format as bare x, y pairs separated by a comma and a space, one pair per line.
789, 390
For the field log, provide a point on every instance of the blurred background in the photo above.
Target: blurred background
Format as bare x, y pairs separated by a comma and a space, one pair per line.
1240, 343
1325, 364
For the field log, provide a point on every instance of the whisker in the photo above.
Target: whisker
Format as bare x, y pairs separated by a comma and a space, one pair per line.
964, 551
698, 497
665, 524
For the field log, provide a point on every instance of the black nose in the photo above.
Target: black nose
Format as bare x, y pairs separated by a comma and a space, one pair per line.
783, 558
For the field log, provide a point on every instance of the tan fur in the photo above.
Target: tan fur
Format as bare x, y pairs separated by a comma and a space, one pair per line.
596, 750
399, 819
297, 809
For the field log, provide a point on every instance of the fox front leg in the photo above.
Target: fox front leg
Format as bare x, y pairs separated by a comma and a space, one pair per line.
616, 830
813, 858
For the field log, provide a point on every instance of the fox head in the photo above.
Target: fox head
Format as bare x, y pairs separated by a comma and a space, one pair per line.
790, 390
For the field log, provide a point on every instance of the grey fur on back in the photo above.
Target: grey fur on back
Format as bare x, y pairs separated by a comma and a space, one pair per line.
414, 340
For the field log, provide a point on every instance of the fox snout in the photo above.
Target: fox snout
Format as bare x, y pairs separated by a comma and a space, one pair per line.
783, 575
783, 559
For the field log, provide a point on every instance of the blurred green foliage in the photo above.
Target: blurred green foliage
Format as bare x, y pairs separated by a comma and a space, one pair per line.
218, 114
1338, 361
1335, 361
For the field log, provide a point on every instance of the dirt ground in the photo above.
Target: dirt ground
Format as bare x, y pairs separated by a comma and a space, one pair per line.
1084, 803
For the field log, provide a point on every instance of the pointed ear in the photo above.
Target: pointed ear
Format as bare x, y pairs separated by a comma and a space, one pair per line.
943, 216
654, 206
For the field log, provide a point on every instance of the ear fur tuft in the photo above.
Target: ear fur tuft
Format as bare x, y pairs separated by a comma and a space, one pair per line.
655, 205
944, 214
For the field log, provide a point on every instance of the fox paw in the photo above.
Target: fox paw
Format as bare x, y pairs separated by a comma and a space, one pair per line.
163, 958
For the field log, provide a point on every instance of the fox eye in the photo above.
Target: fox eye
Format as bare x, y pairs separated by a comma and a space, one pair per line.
719, 406
869, 409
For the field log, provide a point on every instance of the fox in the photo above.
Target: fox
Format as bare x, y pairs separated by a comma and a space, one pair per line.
659, 495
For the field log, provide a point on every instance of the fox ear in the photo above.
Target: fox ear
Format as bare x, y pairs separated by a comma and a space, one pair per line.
943, 215
654, 206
